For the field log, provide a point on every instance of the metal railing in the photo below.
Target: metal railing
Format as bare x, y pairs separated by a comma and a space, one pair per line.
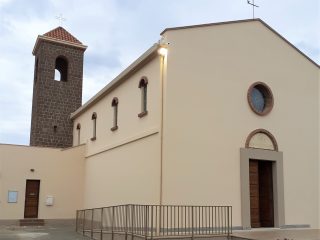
154, 221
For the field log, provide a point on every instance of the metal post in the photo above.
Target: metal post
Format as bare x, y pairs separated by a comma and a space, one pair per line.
192, 222
152, 222
112, 222
101, 233
146, 222
84, 221
126, 222
77, 219
228, 222
132, 219
92, 211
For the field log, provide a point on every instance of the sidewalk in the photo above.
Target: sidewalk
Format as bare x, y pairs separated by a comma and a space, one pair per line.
279, 234
39, 233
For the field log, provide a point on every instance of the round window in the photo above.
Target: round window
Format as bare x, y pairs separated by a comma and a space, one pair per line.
260, 98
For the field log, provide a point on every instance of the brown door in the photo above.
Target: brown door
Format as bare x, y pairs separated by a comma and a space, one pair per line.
266, 194
32, 199
254, 193
261, 194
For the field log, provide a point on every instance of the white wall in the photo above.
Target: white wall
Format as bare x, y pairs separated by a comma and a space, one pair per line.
207, 116
123, 166
129, 107
126, 174
60, 173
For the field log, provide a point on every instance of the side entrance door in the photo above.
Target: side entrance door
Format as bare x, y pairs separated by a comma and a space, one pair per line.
32, 199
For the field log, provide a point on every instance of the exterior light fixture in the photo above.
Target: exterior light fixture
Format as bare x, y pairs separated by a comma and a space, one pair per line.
163, 51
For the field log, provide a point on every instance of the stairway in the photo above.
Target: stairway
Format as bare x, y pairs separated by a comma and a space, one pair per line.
31, 222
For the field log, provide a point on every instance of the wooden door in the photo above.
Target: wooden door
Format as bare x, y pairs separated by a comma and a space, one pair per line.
254, 193
261, 193
266, 194
32, 199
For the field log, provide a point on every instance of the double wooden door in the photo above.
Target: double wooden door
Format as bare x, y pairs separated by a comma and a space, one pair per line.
261, 194
32, 199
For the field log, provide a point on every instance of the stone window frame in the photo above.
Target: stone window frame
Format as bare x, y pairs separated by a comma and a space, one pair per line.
94, 126
266, 132
268, 96
78, 130
143, 85
114, 105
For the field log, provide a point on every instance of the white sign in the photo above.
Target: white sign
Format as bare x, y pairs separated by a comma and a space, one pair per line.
12, 196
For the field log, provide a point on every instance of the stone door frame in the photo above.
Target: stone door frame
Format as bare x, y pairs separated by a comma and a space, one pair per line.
278, 186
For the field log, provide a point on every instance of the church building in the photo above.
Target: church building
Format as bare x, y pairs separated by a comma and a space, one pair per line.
222, 114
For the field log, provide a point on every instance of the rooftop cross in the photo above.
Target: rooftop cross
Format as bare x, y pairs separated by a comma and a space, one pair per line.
61, 19
253, 6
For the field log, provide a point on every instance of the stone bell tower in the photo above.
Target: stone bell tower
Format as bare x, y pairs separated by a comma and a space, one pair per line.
57, 88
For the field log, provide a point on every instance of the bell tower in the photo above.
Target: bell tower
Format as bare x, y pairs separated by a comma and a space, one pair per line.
57, 88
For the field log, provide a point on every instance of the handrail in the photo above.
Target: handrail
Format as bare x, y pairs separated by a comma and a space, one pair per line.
154, 221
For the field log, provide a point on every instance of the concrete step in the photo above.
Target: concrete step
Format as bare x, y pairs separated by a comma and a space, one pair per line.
31, 222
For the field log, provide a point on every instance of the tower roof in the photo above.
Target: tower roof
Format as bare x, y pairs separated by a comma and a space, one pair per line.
60, 33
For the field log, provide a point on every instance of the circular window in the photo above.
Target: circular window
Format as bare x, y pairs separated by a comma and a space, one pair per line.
260, 98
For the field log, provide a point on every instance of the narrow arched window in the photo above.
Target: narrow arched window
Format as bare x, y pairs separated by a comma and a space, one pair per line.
61, 69
94, 126
36, 69
143, 87
114, 105
78, 132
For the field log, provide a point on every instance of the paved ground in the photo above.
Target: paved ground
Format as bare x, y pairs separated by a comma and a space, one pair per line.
280, 234
39, 233
68, 233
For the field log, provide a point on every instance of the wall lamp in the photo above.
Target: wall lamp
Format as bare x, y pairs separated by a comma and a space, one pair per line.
163, 51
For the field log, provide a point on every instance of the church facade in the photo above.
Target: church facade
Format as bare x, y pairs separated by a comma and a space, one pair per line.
214, 114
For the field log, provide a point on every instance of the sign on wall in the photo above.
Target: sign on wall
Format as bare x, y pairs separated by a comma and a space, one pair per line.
12, 196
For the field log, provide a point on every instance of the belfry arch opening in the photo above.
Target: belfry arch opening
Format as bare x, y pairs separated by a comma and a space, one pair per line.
61, 69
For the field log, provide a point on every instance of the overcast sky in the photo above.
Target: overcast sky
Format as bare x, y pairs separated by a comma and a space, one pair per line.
116, 33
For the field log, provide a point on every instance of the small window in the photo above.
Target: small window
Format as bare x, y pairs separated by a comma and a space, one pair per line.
78, 130
143, 87
61, 69
94, 126
114, 105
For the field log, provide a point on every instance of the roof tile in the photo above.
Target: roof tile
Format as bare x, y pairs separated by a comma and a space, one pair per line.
61, 34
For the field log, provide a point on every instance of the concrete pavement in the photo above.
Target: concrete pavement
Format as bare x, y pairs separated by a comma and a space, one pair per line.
39, 233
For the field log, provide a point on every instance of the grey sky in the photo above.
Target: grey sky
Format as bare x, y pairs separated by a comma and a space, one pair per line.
117, 32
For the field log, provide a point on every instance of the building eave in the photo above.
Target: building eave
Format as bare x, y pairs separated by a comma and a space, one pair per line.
45, 38
244, 21
137, 64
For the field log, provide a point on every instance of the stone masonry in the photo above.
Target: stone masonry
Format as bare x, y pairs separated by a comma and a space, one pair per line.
54, 101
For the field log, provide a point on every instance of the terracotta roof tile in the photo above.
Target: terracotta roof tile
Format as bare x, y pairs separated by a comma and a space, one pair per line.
61, 34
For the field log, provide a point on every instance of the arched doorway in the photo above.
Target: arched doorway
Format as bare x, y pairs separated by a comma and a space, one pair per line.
261, 181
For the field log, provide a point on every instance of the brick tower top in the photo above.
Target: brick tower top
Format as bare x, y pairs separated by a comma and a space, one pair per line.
57, 87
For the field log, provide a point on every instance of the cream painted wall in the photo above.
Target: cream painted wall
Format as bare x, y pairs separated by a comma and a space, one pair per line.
123, 166
129, 173
60, 173
207, 117
130, 125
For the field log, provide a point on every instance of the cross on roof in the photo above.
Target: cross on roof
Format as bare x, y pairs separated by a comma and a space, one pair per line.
61, 19
253, 6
